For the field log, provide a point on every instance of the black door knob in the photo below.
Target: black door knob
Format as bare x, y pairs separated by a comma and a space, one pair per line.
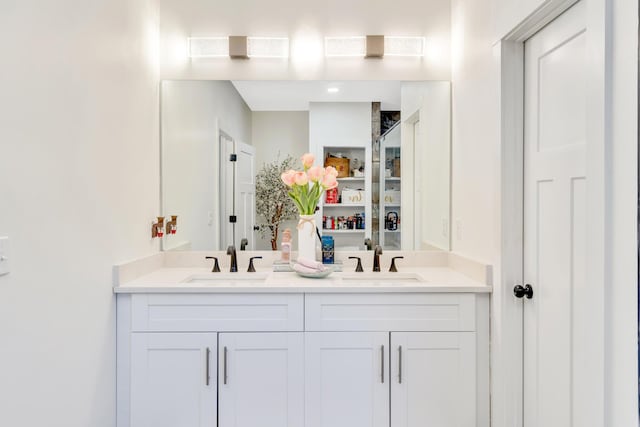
522, 291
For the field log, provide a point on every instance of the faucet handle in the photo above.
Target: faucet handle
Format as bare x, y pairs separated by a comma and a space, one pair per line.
216, 266
368, 243
243, 244
359, 266
251, 268
393, 268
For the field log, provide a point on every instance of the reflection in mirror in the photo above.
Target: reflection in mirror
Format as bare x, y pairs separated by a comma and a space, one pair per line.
390, 141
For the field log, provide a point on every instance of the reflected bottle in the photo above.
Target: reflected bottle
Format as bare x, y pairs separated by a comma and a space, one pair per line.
285, 246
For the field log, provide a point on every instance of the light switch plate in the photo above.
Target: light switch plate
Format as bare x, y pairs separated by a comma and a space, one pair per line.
4, 256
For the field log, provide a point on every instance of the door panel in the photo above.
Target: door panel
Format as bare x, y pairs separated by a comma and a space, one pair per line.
261, 379
555, 220
433, 379
169, 380
245, 194
346, 379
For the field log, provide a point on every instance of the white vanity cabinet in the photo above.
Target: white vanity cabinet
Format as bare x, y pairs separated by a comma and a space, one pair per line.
173, 379
261, 379
433, 379
303, 360
347, 379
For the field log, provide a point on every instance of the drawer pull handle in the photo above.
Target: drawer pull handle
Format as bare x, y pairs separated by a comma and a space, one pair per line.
400, 364
207, 370
382, 364
224, 366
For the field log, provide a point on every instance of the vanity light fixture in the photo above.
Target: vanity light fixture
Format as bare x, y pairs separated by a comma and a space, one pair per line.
404, 46
208, 47
267, 47
238, 47
373, 46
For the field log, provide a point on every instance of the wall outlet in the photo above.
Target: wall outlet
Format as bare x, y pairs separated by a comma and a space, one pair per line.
4, 256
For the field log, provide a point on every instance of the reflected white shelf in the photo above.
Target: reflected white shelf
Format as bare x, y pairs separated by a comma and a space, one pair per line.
342, 205
392, 205
324, 230
392, 231
393, 178
352, 178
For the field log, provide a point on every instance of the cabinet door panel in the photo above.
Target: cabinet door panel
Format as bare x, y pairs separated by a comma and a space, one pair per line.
347, 379
264, 382
169, 380
433, 379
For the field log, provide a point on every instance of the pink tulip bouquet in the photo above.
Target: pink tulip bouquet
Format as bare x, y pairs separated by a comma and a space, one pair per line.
306, 187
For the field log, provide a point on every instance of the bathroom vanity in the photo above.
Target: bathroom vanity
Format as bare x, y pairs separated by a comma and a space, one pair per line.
273, 349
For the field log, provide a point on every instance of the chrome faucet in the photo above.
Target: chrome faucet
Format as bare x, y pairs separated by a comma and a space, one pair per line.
231, 250
376, 257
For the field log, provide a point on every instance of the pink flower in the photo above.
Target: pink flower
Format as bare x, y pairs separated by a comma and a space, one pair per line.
330, 170
329, 182
307, 160
288, 177
301, 178
316, 173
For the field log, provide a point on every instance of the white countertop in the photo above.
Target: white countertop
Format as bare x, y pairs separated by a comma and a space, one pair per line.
428, 279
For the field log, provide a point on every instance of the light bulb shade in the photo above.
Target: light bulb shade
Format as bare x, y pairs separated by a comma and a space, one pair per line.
404, 46
208, 47
268, 47
345, 46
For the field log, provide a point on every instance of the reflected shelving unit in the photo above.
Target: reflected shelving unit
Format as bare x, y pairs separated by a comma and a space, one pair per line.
390, 189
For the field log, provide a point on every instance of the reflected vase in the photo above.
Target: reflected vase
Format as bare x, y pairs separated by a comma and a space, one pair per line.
307, 237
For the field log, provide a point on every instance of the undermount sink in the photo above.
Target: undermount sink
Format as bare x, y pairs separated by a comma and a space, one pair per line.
381, 278
227, 279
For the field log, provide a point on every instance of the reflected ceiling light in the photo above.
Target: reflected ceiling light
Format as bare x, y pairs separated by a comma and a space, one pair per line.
333, 90
345, 46
238, 47
404, 46
208, 47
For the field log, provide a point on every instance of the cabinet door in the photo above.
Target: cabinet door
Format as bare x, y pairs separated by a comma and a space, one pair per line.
173, 380
347, 379
261, 379
433, 379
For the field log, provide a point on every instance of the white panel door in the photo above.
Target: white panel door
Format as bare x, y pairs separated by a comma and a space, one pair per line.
227, 191
261, 379
433, 379
245, 197
173, 380
556, 325
347, 379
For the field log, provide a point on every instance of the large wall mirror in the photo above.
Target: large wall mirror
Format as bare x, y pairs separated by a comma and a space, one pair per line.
391, 140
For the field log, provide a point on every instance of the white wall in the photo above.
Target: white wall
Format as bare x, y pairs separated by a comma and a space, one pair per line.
428, 162
192, 114
78, 189
275, 134
306, 24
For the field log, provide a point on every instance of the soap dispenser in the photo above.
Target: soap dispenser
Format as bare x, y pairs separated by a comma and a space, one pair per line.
285, 246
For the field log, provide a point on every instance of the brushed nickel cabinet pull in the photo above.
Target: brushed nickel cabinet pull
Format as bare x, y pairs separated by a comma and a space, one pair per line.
207, 370
400, 364
382, 364
224, 367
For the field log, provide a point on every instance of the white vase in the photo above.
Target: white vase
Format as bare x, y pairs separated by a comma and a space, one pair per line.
307, 237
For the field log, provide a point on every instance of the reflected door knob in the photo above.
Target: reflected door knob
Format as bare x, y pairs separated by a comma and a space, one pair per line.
522, 291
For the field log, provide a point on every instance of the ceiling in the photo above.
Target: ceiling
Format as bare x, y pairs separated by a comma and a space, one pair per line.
295, 95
